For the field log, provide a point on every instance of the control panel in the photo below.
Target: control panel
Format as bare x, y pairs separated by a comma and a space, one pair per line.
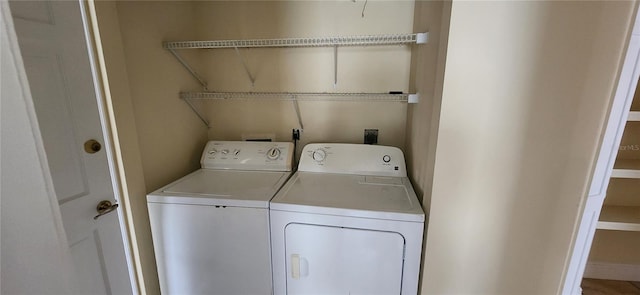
361, 159
247, 155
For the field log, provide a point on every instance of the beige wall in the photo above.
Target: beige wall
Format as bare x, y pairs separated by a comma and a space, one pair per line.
171, 137
615, 247
158, 137
360, 69
526, 89
630, 142
427, 66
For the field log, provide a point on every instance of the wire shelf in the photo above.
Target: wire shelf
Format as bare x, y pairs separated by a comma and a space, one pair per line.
291, 96
390, 39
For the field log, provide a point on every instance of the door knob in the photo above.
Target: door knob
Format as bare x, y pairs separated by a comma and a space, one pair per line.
104, 207
92, 146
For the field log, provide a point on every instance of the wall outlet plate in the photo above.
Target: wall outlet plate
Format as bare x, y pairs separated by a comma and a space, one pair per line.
370, 136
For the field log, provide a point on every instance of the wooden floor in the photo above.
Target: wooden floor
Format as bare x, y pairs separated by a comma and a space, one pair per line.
602, 287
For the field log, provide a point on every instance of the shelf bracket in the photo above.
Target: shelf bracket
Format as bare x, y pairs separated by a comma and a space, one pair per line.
297, 109
198, 113
413, 98
335, 67
189, 68
246, 68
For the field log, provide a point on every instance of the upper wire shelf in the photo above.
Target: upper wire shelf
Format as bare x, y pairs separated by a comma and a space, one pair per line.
399, 97
389, 39
335, 42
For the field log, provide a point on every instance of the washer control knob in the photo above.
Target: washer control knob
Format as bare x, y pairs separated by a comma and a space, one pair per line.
273, 153
386, 158
319, 155
225, 151
236, 152
212, 151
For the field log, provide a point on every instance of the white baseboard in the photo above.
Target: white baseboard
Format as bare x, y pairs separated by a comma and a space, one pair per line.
612, 271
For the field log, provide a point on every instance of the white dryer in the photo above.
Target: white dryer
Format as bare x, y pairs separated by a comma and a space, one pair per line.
348, 222
210, 228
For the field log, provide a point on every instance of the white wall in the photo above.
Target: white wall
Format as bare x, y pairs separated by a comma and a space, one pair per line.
526, 89
34, 253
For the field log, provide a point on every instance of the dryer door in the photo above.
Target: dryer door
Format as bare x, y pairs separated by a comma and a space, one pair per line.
337, 260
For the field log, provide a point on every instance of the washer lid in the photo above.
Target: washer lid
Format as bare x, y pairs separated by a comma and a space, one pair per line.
378, 197
222, 188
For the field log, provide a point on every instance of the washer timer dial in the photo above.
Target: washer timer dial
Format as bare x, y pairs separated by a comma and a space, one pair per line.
386, 158
319, 155
273, 153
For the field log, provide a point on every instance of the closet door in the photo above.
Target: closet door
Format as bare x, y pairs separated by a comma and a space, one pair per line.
337, 260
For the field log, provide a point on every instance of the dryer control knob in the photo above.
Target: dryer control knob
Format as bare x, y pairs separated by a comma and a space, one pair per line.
386, 158
319, 155
273, 153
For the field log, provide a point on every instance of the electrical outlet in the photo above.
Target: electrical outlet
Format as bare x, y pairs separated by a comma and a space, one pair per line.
370, 136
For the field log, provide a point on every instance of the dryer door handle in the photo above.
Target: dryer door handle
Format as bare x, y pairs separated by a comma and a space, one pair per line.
299, 266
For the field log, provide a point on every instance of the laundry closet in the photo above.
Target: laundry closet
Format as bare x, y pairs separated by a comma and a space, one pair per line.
507, 96
171, 131
157, 78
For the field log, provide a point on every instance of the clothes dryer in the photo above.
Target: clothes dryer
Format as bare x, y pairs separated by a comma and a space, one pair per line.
347, 222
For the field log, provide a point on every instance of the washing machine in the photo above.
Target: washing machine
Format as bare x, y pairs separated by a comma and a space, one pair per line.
347, 222
210, 229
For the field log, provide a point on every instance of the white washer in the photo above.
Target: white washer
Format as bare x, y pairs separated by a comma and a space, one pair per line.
348, 222
211, 228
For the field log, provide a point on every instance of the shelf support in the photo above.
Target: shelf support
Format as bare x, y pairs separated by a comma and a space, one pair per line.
413, 98
297, 109
195, 110
335, 67
246, 68
189, 68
